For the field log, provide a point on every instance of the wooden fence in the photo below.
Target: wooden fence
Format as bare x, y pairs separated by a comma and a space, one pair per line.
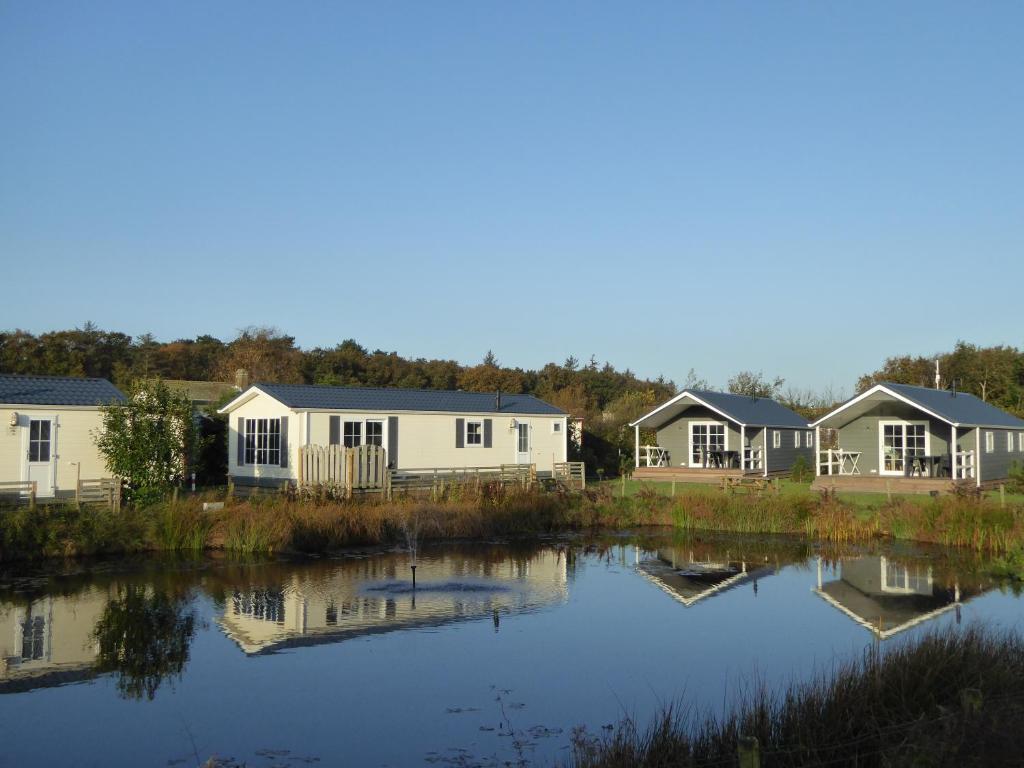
571, 474
104, 490
18, 492
363, 468
437, 479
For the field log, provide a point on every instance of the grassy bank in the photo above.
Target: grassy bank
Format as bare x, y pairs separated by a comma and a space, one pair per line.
277, 524
951, 700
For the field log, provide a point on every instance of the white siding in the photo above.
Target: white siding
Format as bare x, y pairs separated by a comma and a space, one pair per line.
74, 442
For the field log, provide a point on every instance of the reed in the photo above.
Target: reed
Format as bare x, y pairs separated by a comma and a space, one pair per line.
949, 700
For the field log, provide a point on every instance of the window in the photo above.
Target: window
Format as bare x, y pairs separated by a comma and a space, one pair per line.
556, 427
352, 434
776, 439
39, 440
809, 439
474, 433
33, 636
1009, 442
263, 441
796, 439
265, 604
705, 437
990, 442
1020, 442
375, 433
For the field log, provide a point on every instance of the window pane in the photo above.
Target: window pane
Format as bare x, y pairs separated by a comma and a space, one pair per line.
375, 433
33, 450
33, 430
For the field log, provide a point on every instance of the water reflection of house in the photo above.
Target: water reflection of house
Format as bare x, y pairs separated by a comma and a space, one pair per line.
375, 595
888, 597
49, 641
690, 577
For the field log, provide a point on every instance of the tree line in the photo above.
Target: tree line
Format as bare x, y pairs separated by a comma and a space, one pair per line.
606, 398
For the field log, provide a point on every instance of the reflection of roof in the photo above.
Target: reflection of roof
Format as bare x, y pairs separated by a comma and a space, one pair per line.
695, 583
396, 399
57, 390
47, 678
886, 615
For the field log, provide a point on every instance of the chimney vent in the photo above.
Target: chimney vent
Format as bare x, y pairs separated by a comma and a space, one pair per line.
497, 400
241, 379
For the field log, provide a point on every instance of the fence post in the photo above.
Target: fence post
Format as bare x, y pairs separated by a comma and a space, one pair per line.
749, 752
1002, 496
32, 494
350, 465
888, 491
115, 493
231, 487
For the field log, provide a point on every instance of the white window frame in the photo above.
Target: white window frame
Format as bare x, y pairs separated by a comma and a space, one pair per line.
366, 431
1020, 442
1009, 442
725, 437
904, 423
352, 439
796, 438
809, 439
480, 433
990, 441
776, 439
556, 427
259, 455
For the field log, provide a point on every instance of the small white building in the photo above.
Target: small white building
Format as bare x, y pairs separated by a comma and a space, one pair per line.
47, 430
418, 428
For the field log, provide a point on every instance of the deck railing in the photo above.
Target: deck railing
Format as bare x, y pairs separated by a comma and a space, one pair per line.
571, 474
19, 492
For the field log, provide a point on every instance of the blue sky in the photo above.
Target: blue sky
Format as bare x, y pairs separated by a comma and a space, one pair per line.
798, 188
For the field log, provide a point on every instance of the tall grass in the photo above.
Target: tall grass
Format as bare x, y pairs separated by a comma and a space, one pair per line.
276, 523
953, 699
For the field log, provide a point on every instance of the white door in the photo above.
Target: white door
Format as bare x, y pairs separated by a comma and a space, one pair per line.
898, 441
39, 455
522, 443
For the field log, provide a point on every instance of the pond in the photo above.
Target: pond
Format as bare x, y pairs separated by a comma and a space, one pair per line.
500, 651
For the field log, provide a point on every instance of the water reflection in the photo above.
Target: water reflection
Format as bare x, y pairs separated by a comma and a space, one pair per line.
143, 636
690, 575
48, 640
333, 602
887, 596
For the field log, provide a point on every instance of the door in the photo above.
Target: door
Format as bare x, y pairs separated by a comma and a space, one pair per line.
899, 441
522, 443
704, 437
39, 456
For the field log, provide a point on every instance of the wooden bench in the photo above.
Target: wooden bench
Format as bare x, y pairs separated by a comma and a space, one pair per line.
756, 485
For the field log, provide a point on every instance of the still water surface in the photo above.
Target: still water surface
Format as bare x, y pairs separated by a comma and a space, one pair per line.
496, 655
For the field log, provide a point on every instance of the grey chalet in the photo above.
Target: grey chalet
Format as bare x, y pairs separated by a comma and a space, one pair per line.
701, 433
907, 435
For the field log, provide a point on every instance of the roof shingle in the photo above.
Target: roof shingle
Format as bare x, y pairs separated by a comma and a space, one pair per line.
56, 390
308, 396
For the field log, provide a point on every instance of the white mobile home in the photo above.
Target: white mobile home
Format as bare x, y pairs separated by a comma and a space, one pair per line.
419, 429
47, 427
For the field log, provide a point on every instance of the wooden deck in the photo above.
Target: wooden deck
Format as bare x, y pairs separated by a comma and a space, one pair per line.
874, 484
688, 474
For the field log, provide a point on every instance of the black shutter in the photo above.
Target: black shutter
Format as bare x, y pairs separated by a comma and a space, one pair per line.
335, 436
487, 432
393, 442
240, 442
460, 433
284, 441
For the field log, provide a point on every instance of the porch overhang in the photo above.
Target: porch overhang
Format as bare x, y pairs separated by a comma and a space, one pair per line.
862, 404
678, 405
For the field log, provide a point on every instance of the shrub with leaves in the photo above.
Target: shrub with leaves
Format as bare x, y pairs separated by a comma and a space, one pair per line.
150, 439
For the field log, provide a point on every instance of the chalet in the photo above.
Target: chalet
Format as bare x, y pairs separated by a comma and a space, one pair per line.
917, 439
47, 432
419, 429
888, 597
703, 435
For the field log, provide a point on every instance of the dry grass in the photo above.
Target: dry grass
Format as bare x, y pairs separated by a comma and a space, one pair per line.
951, 700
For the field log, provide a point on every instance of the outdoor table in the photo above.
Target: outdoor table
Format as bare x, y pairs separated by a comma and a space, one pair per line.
722, 457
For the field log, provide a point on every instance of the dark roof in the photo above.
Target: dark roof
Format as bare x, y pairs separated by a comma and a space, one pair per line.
958, 408
388, 399
752, 411
56, 390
